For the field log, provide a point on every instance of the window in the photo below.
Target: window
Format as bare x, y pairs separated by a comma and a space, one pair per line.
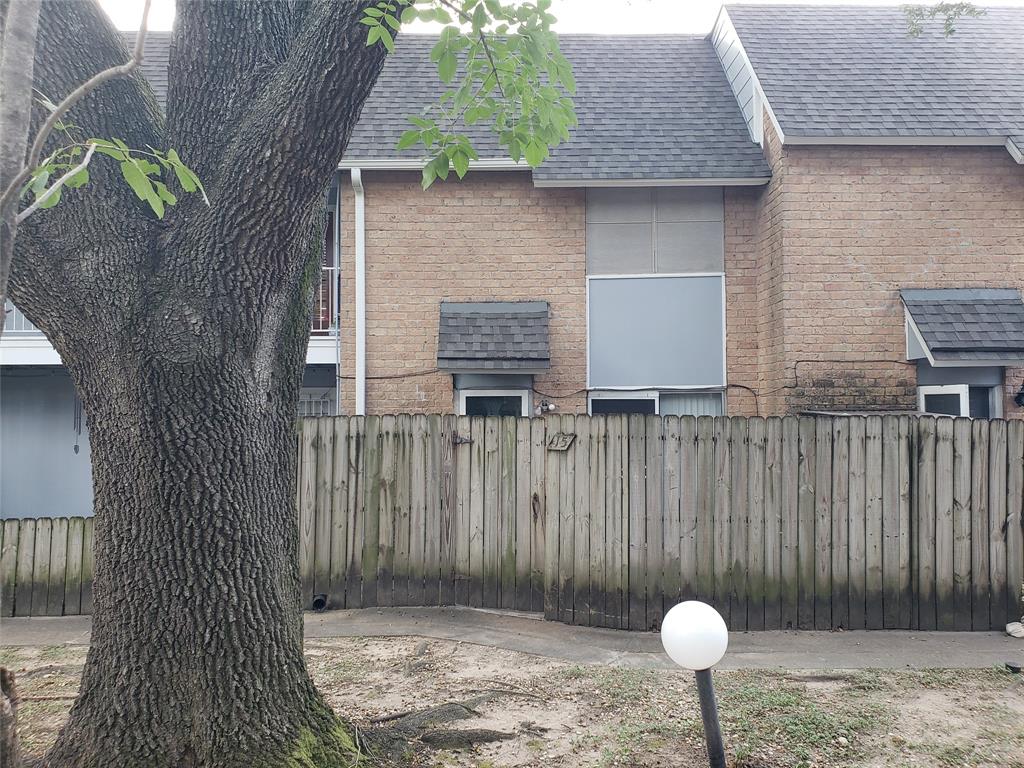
623, 403
494, 402
655, 230
656, 332
691, 404
944, 400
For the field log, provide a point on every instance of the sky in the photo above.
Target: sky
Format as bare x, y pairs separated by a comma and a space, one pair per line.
596, 16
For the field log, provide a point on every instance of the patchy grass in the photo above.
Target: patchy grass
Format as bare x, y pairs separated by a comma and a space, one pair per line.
572, 716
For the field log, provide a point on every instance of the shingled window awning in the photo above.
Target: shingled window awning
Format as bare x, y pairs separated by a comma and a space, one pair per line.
493, 336
965, 326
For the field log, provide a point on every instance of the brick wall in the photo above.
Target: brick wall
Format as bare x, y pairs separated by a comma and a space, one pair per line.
842, 229
490, 237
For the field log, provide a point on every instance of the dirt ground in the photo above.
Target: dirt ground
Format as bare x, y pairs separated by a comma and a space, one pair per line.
570, 716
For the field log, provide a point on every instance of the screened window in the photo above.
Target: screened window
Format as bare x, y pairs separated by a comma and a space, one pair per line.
656, 332
652, 230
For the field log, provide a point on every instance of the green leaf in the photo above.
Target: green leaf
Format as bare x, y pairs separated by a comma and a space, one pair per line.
461, 162
446, 66
535, 152
388, 40
164, 193
105, 147
137, 180
374, 12
80, 179
408, 139
52, 200
373, 35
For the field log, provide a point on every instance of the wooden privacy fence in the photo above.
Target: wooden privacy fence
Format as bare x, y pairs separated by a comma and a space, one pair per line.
46, 567
804, 522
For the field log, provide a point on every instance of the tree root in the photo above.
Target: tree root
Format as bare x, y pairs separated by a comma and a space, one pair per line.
398, 740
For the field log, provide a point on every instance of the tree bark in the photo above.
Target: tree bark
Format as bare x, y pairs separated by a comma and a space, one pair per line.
186, 340
18, 24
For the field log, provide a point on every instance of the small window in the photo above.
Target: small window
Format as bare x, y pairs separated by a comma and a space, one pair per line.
645, 403
960, 400
691, 404
944, 400
494, 402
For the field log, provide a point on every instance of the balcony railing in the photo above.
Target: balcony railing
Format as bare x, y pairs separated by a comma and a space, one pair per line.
325, 303
325, 310
17, 323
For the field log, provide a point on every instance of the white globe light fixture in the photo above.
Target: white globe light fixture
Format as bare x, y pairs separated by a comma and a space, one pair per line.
695, 637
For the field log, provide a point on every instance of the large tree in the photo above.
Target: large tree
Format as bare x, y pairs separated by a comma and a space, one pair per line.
185, 337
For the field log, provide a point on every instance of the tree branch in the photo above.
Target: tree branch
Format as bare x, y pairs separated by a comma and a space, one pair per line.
69, 101
77, 273
53, 188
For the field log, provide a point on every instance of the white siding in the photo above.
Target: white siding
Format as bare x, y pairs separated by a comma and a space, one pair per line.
740, 74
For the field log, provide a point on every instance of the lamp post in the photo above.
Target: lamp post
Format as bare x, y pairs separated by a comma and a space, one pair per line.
695, 637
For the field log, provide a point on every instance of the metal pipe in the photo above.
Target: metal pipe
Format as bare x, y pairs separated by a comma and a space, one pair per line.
709, 714
360, 247
336, 294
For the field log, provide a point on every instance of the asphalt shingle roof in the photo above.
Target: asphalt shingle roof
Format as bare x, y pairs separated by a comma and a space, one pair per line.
854, 71
649, 107
962, 324
496, 335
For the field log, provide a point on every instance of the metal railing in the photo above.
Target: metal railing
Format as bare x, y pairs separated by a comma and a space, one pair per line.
325, 303
17, 323
324, 323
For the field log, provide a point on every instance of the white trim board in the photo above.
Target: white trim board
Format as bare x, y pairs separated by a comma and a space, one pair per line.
752, 181
899, 141
416, 164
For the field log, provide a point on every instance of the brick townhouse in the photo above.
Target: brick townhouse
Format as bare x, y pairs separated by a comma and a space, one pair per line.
805, 210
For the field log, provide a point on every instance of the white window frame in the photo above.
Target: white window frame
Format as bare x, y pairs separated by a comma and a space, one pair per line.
725, 331
963, 390
630, 394
523, 394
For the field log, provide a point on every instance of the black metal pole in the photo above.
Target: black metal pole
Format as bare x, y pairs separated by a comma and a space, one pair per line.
709, 713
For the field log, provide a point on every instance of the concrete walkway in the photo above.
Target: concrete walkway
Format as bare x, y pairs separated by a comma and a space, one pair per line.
531, 634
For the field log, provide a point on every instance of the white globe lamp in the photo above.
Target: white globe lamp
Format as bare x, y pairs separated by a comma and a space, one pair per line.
695, 637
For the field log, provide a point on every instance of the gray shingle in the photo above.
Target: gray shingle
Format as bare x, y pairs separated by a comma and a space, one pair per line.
493, 336
854, 71
650, 107
155, 55
961, 324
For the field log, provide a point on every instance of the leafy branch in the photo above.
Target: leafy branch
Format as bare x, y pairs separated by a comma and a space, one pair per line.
950, 13
140, 174
504, 68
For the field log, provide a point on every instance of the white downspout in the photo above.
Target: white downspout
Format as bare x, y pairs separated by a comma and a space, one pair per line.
360, 245
336, 293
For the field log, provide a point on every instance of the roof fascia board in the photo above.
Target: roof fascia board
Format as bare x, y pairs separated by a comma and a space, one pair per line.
725, 19
917, 334
412, 164
1016, 150
753, 181
899, 141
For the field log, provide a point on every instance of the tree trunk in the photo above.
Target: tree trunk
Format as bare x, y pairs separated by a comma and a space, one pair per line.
196, 655
186, 339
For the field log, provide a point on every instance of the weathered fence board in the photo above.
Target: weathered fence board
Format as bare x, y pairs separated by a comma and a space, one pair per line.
794, 522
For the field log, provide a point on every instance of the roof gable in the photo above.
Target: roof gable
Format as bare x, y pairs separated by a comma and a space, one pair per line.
854, 72
651, 108
957, 325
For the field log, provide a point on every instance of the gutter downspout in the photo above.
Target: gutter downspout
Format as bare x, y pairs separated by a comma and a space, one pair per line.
360, 245
336, 294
